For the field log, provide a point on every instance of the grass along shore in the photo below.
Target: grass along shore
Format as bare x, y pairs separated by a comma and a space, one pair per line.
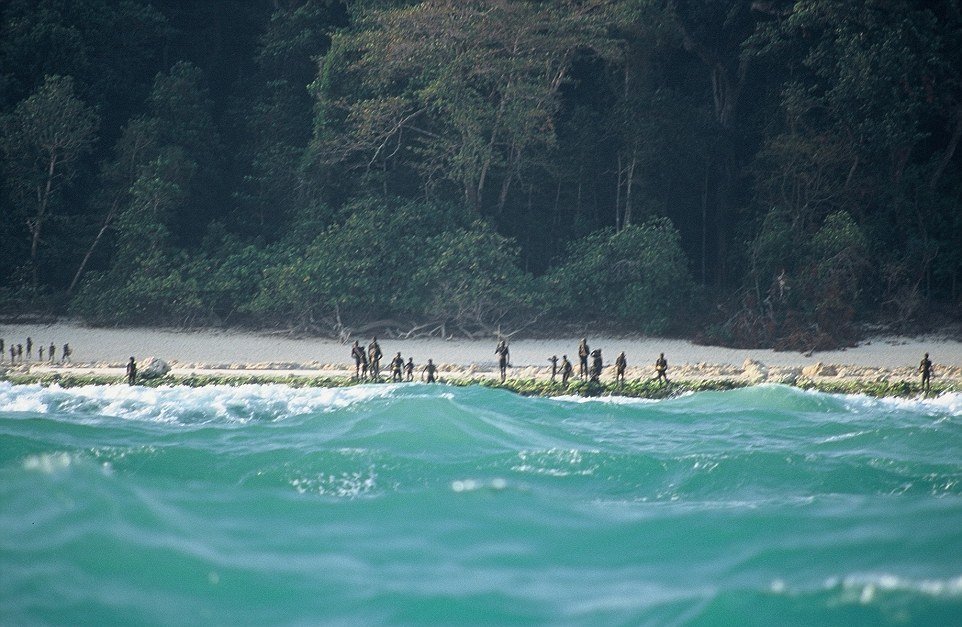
636, 388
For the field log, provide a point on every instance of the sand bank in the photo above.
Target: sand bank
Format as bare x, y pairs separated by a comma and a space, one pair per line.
215, 351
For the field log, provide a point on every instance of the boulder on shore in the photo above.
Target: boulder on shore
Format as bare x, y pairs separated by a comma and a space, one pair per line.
152, 368
820, 370
755, 371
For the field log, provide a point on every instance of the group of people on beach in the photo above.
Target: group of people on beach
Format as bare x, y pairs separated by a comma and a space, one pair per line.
367, 365
592, 372
19, 351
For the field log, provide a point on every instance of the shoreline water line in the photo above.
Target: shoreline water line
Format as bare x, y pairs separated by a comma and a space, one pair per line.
524, 386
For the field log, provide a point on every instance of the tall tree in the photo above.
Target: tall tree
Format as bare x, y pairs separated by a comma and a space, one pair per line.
461, 106
42, 140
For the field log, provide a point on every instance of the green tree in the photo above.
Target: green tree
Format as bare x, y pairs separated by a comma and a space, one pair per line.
470, 280
463, 105
43, 140
638, 276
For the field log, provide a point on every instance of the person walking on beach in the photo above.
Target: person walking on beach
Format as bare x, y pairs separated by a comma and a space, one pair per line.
20, 353
396, 364
374, 355
65, 355
925, 367
53, 349
566, 370
583, 353
131, 372
502, 352
429, 370
409, 369
13, 354
554, 366
29, 348
596, 365
620, 364
40, 353
661, 369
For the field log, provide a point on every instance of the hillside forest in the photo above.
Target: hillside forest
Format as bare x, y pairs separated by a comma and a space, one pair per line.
752, 173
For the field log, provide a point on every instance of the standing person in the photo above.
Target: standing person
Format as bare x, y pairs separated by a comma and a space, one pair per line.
583, 353
596, 365
29, 348
661, 369
502, 352
364, 367
1, 349
13, 354
53, 349
396, 364
409, 369
374, 355
429, 370
566, 370
20, 353
131, 372
40, 353
554, 366
620, 364
65, 355
925, 367
357, 352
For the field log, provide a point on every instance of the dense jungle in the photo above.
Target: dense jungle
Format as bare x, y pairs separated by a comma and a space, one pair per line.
768, 173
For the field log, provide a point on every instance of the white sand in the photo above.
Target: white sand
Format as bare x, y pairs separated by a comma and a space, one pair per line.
212, 349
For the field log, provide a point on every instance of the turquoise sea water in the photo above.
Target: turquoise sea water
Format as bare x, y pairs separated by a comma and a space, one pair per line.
428, 504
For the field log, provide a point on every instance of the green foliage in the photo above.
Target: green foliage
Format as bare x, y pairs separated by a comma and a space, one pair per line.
321, 164
470, 277
638, 276
41, 142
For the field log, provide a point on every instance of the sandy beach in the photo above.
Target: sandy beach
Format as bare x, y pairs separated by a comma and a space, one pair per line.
212, 351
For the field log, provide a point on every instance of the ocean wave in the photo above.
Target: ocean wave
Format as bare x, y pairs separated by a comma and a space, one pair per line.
186, 405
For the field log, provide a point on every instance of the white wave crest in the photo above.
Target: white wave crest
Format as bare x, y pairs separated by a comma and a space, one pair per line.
180, 404
948, 403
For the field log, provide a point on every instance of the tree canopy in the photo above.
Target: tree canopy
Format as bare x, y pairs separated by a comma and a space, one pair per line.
766, 173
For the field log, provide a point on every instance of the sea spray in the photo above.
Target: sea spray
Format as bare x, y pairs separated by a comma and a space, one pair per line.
400, 504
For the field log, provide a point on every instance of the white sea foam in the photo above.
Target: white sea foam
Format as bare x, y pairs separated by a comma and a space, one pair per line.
167, 404
949, 403
612, 400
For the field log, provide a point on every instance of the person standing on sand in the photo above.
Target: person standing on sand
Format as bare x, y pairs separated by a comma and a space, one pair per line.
131, 372
396, 364
620, 364
53, 349
29, 348
596, 365
554, 366
65, 355
925, 367
13, 354
502, 352
566, 370
409, 369
374, 355
429, 370
1, 349
40, 353
583, 353
20, 353
358, 354
661, 369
